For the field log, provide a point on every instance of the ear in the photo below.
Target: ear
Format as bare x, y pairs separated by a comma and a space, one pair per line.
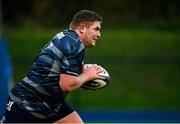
82, 28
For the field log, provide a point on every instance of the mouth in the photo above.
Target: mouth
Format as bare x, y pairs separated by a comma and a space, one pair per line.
95, 38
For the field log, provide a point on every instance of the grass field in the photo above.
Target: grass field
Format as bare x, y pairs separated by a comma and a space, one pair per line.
143, 64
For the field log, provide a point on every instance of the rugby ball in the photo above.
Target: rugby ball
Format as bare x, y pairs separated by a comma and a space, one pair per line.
97, 83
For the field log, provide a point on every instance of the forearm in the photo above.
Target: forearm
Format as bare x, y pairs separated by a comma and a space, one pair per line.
80, 80
70, 83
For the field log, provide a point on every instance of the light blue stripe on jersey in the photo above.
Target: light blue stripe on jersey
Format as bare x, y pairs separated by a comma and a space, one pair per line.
37, 86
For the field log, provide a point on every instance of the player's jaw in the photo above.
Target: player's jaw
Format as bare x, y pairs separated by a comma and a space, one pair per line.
91, 39
91, 42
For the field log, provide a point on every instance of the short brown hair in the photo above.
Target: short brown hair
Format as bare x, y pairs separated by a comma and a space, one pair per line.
85, 16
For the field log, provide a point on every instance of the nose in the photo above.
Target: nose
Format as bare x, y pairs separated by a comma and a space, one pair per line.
99, 34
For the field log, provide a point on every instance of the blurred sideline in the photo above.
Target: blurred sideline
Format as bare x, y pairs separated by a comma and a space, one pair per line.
161, 116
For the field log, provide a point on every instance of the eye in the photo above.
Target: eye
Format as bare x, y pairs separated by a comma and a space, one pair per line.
97, 29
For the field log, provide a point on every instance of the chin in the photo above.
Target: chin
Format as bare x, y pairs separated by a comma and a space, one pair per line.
93, 45
89, 46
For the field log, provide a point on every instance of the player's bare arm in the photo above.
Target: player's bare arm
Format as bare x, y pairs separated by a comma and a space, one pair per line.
70, 82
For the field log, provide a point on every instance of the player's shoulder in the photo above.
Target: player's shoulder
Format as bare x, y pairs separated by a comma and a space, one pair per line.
67, 41
70, 34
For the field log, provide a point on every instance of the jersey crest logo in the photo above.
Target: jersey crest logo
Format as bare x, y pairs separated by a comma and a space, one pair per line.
9, 105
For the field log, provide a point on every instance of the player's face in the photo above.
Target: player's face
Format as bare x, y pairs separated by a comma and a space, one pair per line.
91, 34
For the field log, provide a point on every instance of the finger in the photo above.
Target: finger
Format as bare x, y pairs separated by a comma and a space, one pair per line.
94, 65
99, 69
100, 77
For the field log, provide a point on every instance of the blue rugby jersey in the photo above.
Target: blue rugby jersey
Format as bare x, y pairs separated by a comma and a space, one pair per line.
39, 91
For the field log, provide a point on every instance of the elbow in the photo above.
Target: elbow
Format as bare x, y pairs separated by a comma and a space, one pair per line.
68, 83
68, 88
64, 88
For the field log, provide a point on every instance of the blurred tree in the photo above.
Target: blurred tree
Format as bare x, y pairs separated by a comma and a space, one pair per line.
14, 11
53, 13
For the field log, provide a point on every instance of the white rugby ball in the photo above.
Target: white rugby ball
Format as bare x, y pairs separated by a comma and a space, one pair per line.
97, 83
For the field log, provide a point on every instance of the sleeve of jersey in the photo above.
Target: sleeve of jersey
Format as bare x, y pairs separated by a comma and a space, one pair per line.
72, 61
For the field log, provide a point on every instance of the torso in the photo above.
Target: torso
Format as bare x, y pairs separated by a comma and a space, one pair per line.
39, 91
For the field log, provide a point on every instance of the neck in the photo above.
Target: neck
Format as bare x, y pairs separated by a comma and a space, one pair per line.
79, 34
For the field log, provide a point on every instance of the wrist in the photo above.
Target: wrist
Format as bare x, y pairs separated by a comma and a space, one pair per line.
82, 79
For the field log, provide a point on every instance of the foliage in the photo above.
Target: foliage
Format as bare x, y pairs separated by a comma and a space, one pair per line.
57, 13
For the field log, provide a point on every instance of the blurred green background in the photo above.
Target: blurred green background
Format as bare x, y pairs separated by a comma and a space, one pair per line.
140, 48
